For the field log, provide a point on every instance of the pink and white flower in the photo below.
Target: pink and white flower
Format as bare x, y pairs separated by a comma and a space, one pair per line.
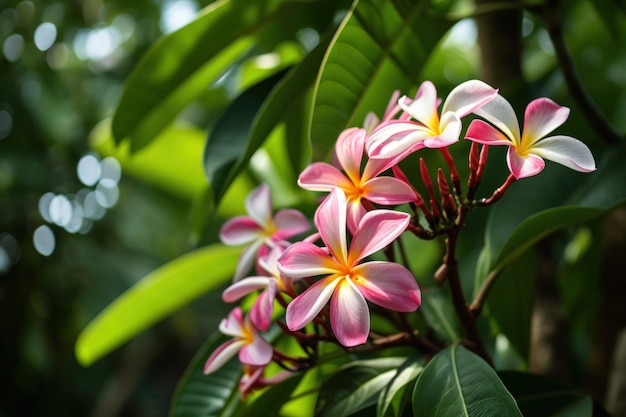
357, 186
347, 283
528, 150
260, 229
263, 307
252, 348
399, 138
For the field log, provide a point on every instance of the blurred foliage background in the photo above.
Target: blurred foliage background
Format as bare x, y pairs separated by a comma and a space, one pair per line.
81, 221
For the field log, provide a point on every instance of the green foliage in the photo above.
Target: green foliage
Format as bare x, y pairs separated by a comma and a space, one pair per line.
456, 382
157, 295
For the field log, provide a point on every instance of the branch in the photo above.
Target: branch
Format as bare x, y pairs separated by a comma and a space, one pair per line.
574, 83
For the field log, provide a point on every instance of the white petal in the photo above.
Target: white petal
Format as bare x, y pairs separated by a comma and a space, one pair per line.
567, 151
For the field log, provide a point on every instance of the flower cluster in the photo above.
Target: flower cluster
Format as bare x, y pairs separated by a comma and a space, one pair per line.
322, 287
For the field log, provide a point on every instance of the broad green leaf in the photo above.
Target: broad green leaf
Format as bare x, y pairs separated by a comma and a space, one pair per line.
182, 65
439, 314
393, 398
203, 395
155, 296
356, 386
228, 140
380, 47
511, 300
272, 401
173, 162
456, 382
538, 396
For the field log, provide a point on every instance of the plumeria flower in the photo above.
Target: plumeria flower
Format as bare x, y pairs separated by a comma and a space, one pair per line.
357, 186
347, 283
261, 229
527, 150
252, 348
253, 378
399, 138
263, 307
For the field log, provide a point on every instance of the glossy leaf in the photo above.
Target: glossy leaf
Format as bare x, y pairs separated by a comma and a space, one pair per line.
439, 314
456, 382
356, 386
183, 64
379, 47
270, 402
395, 396
155, 296
538, 396
215, 394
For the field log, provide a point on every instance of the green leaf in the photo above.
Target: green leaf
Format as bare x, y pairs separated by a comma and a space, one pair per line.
156, 295
538, 396
228, 141
393, 397
272, 401
203, 395
439, 314
356, 386
182, 65
379, 47
511, 301
456, 382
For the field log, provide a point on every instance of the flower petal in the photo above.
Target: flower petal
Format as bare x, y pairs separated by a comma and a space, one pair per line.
388, 191
349, 150
349, 315
522, 167
222, 354
567, 151
289, 222
246, 259
481, 132
467, 97
304, 259
303, 309
424, 107
377, 229
259, 352
239, 230
330, 220
389, 285
356, 211
244, 287
393, 138
320, 176
259, 205
500, 113
451, 130
541, 117
263, 307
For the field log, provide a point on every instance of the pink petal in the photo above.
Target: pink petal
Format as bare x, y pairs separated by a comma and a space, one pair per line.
259, 352
259, 205
320, 176
481, 132
451, 130
522, 167
330, 219
373, 167
239, 230
392, 106
389, 285
377, 229
304, 259
244, 287
232, 324
222, 354
263, 307
269, 263
356, 211
567, 151
388, 191
349, 150
349, 315
246, 259
541, 117
370, 122
394, 138
500, 113
467, 97
424, 107
305, 307
289, 222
